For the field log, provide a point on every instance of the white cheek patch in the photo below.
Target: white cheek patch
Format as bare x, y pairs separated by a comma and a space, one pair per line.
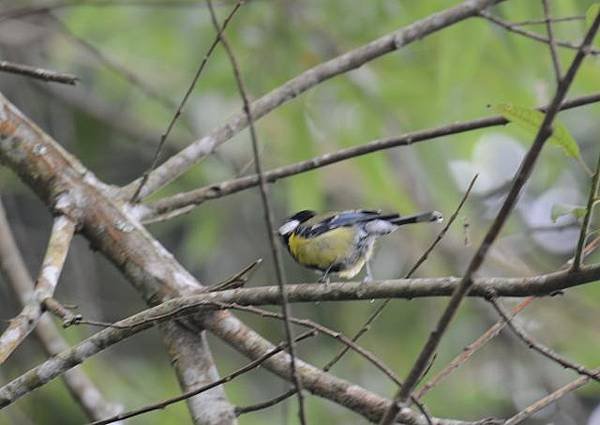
288, 227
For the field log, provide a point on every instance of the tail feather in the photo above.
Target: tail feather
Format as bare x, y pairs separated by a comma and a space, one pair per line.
429, 216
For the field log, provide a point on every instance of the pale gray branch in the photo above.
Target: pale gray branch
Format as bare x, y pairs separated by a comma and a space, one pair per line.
56, 253
81, 388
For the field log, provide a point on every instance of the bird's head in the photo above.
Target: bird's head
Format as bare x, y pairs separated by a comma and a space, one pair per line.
291, 223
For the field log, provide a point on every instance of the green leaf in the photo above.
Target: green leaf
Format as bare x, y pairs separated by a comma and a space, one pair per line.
560, 210
531, 120
591, 14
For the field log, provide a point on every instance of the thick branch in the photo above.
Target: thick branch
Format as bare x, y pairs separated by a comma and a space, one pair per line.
67, 187
353, 59
114, 231
81, 388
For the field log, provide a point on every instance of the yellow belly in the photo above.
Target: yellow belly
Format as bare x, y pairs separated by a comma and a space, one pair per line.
334, 248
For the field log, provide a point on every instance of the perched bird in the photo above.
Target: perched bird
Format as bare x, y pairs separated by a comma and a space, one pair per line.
341, 242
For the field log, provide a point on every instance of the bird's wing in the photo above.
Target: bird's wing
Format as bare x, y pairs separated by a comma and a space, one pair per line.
342, 219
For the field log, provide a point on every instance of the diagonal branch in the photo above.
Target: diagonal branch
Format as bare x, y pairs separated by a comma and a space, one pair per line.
163, 137
113, 230
543, 350
549, 399
81, 388
470, 349
56, 253
178, 164
466, 283
185, 396
158, 209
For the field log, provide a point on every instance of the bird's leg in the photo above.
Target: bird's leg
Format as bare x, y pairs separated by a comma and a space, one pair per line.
369, 276
325, 277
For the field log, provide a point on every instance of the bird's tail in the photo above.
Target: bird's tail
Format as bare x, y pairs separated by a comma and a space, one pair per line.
429, 216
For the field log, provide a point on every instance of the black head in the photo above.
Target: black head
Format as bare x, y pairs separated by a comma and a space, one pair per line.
290, 224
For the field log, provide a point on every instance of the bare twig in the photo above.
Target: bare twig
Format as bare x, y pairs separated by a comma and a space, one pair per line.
81, 388
466, 283
579, 251
469, 350
164, 403
56, 253
268, 215
551, 42
553, 20
529, 34
310, 78
542, 349
38, 73
366, 326
549, 399
163, 138
196, 197
238, 280
265, 404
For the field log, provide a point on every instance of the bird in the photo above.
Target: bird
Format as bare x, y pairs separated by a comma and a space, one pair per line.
341, 242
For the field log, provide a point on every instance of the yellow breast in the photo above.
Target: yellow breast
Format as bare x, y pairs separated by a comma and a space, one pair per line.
323, 251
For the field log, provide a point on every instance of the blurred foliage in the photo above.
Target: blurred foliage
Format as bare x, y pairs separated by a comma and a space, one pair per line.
450, 76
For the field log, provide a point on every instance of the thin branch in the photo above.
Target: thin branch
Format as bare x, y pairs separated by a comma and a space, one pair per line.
529, 34
579, 251
242, 410
198, 196
540, 348
466, 283
56, 253
549, 399
553, 20
227, 378
366, 326
38, 73
163, 138
81, 388
268, 215
471, 349
176, 165
551, 42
